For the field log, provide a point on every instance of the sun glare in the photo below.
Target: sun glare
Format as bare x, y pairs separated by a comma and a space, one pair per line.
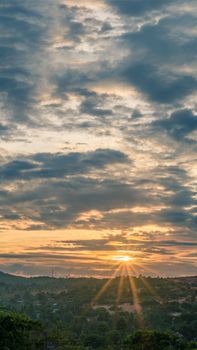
125, 258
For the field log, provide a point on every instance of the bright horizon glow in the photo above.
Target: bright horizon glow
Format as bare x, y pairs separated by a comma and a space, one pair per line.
125, 258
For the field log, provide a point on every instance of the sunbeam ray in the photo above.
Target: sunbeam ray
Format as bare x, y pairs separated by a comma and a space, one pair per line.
106, 285
121, 283
150, 288
136, 300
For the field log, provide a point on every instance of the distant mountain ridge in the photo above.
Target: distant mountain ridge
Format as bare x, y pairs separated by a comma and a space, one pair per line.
11, 278
7, 277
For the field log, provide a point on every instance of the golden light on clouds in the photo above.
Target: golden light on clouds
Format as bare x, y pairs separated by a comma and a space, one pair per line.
94, 214
113, 87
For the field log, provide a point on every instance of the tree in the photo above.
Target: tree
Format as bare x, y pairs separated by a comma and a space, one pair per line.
154, 340
94, 341
19, 332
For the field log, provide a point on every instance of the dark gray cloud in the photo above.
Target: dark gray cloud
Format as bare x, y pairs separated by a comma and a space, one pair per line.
178, 126
159, 87
56, 204
107, 244
163, 40
154, 45
59, 204
76, 29
70, 81
23, 31
138, 7
92, 105
46, 165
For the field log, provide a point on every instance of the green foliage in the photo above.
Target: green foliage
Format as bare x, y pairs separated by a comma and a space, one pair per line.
94, 341
154, 340
18, 332
192, 345
72, 322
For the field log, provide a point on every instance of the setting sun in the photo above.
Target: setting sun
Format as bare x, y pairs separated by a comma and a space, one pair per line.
125, 258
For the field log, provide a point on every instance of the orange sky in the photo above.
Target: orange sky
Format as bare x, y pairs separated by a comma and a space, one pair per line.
98, 131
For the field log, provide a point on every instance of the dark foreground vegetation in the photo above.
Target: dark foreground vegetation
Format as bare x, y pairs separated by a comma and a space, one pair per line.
73, 314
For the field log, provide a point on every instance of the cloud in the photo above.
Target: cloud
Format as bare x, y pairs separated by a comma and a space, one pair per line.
76, 29
151, 47
45, 165
21, 39
179, 125
66, 255
116, 85
110, 245
137, 7
158, 87
92, 106
165, 39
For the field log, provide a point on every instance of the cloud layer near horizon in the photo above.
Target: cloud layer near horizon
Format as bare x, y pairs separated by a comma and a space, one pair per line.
98, 131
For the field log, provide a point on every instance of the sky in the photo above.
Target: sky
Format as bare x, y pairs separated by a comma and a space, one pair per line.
98, 127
